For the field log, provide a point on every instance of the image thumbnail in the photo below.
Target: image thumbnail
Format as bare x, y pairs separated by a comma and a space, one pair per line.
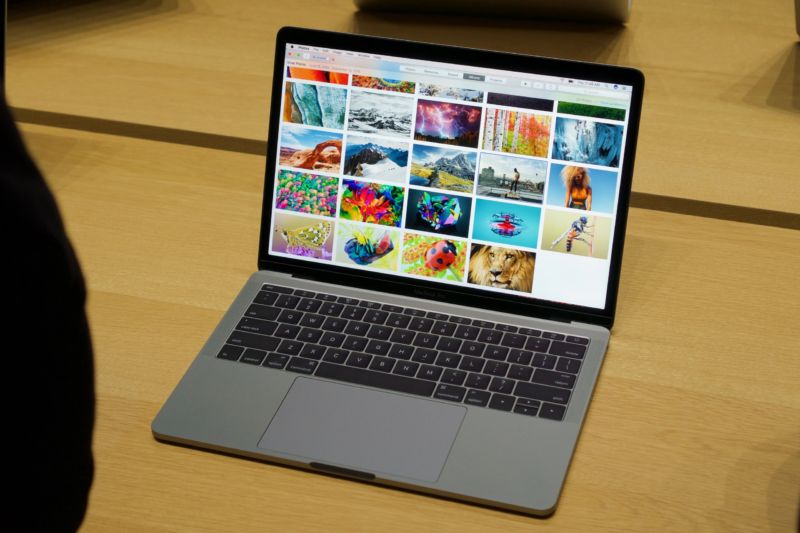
505, 223
307, 193
574, 233
516, 132
589, 189
380, 114
525, 102
367, 246
384, 84
501, 267
376, 159
446, 123
584, 141
433, 257
438, 213
317, 75
515, 178
594, 111
303, 236
372, 202
453, 93
310, 149
443, 168
314, 105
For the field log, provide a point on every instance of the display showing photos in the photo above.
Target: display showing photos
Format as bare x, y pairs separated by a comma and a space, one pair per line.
490, 180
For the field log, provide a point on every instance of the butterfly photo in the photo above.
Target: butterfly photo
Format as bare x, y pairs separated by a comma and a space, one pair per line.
303, 236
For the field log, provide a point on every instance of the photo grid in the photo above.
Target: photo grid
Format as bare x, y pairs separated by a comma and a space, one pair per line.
434, 181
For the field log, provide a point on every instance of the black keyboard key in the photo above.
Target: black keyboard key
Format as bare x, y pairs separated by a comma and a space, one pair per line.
429, 372
370, 305
398, 321
567, 349
262, 311
495, 368
348, 301
483, 324
477, 397
331, 338
304, 294
380, 380
467, 332
360, 360
437, 316
501, 402
506, 327
392, 308
552, 411
331, 309
521, 357
309, 335
460, 320
382, 364
312, 321
276, 360
450, 393
478, 381
252, 340
373, 316
472, 348
353, 313
448, 344
520, 372
566, 364
406, 368
527, 407
336, 355
253, 357
334, 324
553, 336
503, 385
265, 298
425, 340
542, 360
302, 366
403, 336
541, 392
450, 360
443, 328
287, 301
287, 331
356, 344
290, 316
357, 328
309, 305
453, 377
537, 345
472, 364
556, 379
490, 336
290, 347
401, 351
326, 297
513, 340
255, 325
530, 332
312, 351
413, 312
498, 353
381, 333
230, 353
424, 355
420, 324
577, 340
276, 288
378, 347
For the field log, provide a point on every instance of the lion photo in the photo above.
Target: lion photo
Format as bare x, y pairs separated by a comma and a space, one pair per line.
502, 268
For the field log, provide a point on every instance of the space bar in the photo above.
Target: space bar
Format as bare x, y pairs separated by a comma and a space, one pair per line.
375, 379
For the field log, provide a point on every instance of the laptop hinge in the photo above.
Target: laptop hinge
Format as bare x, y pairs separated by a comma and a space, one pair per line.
587, 325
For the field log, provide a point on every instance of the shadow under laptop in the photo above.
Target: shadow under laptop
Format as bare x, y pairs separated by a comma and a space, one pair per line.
779, 86
572, 40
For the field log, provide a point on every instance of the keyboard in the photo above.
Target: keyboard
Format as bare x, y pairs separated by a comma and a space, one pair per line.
453, 358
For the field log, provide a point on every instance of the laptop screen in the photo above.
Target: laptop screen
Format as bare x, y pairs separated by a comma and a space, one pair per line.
487, 179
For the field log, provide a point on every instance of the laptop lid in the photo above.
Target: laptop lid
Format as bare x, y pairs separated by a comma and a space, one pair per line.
482, 178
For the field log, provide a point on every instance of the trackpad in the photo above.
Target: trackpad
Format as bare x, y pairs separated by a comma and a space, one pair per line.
363, 429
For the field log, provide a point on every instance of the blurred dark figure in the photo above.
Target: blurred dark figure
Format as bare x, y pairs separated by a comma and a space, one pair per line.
49, 415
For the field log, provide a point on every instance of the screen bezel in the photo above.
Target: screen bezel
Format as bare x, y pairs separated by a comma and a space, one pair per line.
527, 306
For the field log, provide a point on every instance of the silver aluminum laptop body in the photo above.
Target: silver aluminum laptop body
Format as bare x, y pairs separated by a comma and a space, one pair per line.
449, 448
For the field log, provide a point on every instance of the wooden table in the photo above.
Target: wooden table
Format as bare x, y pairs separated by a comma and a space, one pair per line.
695, 423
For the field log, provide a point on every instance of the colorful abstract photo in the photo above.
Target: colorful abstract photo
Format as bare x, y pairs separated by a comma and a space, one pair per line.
442, 167
501, 267
509, 224
516, 132
433, 257
375, 203
314, 105
302, 236
384, 84
312, 194
312, 74
435, 212
446, 123
367, 246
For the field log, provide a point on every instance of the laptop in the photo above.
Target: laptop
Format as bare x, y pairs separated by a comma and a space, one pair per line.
439, 258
